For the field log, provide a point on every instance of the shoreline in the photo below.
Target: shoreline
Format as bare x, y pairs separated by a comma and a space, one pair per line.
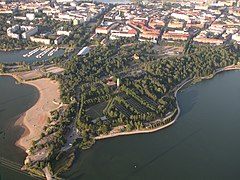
19, 122
35, 118
31, 132
18, 49
13, 76
175, 89
144, 131
9, 50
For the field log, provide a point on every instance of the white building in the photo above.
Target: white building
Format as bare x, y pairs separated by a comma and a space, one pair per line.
84, 51
106, 29
126, 32
29, 31
180, 16
30, 16
66, 33
40, 40
25, 31
75, 22
236, 37
20, 18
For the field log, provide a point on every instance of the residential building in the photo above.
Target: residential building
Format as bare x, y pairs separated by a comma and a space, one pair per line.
21, 32
175, 35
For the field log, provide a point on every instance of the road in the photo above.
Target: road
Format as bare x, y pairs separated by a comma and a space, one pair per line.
47, 173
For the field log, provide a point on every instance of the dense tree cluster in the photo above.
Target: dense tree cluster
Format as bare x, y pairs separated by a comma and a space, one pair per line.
146, 90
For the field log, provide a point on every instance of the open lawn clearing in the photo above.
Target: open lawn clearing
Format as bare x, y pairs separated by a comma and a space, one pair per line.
97, 110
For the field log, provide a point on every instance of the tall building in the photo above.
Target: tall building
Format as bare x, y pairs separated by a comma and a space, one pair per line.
118, 82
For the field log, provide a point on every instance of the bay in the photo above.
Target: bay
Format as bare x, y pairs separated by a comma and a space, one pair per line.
14, 100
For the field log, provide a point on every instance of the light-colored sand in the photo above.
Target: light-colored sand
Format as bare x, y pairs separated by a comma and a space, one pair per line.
54, 70
28, 75
34, 119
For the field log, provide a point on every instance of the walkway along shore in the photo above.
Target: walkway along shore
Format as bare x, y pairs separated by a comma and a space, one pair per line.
176, 89
47, 98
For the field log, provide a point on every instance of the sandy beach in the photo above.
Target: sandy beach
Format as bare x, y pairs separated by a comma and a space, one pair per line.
35, 118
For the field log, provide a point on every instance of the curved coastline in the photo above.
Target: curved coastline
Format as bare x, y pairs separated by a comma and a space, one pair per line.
20, 122
176, 89
32, 131
35, 118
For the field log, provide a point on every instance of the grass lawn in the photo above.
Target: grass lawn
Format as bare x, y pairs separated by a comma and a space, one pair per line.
96, 110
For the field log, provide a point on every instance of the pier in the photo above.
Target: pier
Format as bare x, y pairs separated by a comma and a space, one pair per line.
14, 167
44, 50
